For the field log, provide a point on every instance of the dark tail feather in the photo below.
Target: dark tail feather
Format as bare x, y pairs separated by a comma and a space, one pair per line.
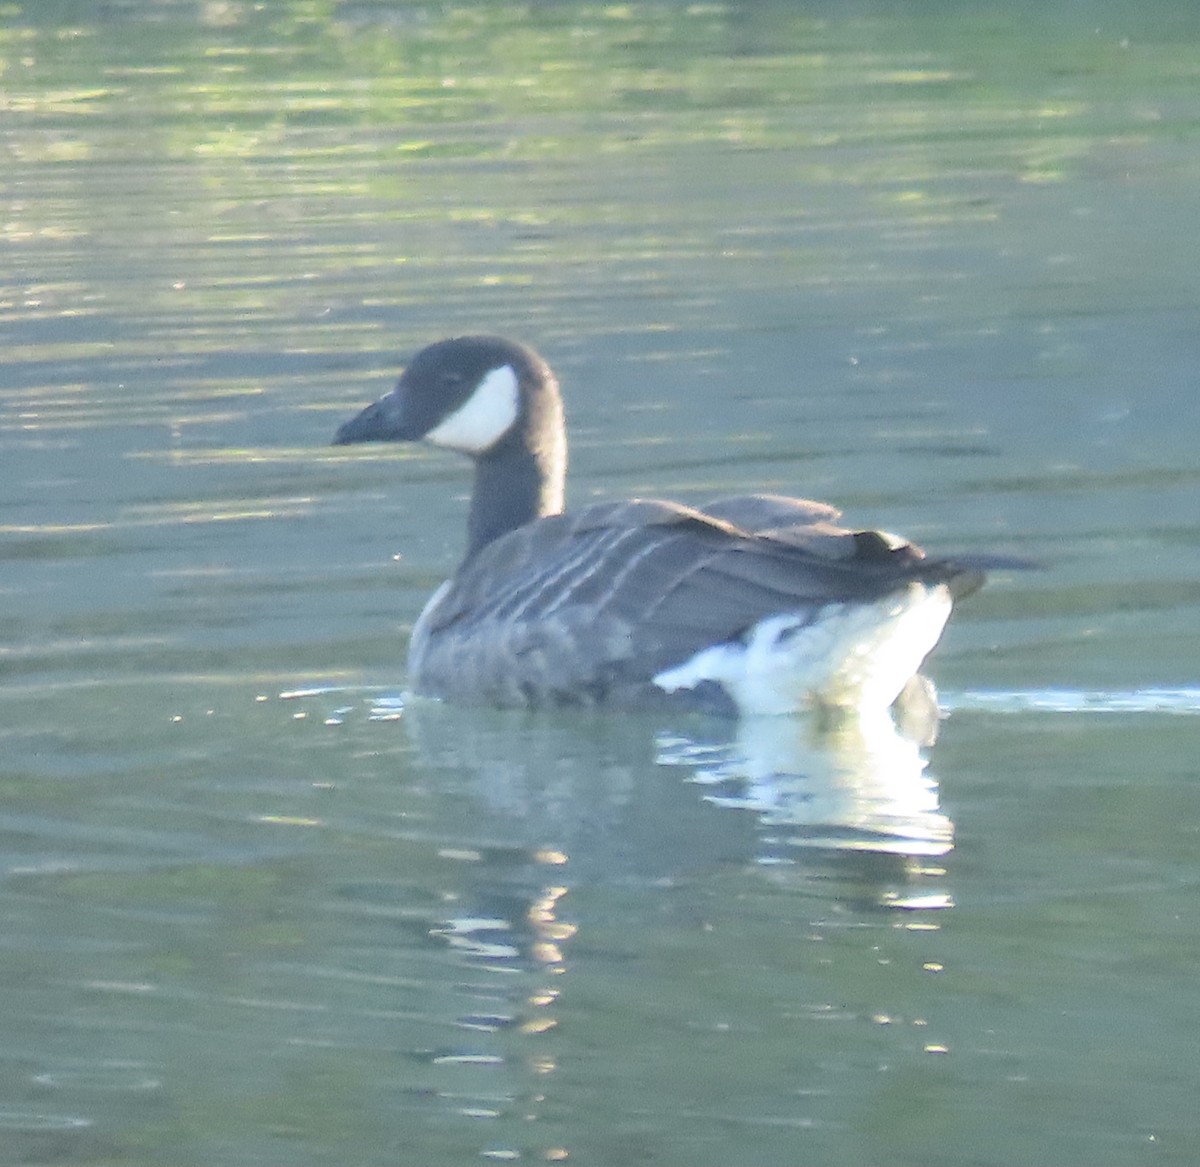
966, 573
987, 562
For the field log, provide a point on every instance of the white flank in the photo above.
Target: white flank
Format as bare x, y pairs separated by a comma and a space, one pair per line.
484, 418
857, 656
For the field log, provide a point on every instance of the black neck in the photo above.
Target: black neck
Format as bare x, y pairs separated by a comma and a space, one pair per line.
507, 494
518, 481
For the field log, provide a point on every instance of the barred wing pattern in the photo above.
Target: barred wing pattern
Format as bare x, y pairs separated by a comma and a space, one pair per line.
590, 607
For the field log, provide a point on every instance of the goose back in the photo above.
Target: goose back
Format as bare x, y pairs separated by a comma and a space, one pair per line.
594, 606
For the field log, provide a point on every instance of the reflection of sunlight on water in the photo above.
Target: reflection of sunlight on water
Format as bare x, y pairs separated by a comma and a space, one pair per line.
528, 941
507, 946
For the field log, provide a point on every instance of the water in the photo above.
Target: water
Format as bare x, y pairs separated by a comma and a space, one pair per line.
931, 266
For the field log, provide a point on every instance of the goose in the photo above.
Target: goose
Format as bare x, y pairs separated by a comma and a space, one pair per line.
750, 605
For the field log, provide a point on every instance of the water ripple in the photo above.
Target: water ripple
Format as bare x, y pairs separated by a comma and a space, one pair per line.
1184, 700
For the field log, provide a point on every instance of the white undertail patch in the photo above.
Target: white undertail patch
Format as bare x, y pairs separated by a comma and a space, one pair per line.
852, 655
484, 418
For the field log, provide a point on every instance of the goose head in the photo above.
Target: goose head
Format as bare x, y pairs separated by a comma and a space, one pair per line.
494, 400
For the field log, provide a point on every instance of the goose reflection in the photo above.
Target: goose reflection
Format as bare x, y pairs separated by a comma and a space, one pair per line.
593, 787
561, 838
860, 785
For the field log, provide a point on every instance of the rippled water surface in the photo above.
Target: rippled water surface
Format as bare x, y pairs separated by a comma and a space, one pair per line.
933, 263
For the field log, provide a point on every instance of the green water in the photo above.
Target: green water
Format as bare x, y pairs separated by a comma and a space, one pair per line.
932, 263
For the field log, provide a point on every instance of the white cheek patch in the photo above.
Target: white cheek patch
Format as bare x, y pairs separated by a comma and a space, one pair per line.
484, 418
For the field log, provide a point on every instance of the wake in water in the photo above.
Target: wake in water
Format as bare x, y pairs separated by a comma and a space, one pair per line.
1168, 700
388, 704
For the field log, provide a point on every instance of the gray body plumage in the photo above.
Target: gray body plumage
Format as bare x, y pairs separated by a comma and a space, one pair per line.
644, 602
589, 608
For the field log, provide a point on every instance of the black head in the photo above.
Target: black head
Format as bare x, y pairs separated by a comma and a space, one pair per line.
465, 394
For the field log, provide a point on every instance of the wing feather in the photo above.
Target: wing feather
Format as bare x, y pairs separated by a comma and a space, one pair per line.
618, 592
